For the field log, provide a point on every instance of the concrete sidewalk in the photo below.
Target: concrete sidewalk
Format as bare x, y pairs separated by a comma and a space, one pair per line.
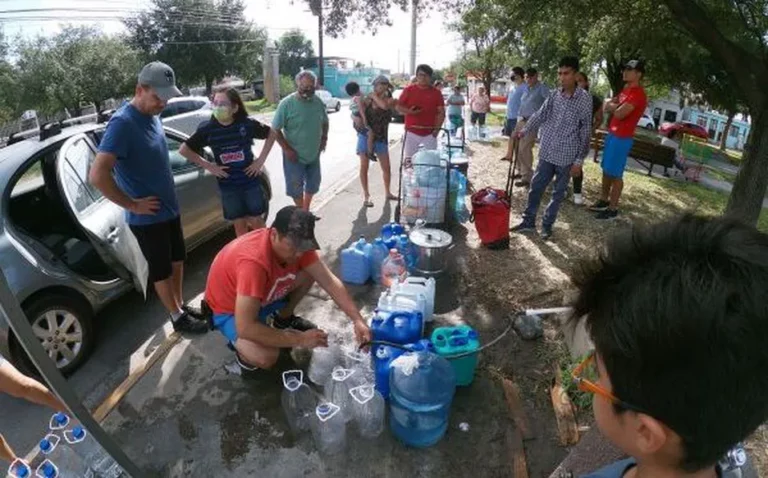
188, 417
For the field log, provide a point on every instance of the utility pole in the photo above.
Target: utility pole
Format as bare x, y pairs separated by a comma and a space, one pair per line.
316, 6
414, 21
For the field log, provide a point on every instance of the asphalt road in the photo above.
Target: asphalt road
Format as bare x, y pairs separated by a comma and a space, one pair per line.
130, 321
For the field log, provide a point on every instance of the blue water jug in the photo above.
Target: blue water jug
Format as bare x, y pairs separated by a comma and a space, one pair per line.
378, 252
391, 230
421, 389
381, 358
397, 327
355, 268
408, 251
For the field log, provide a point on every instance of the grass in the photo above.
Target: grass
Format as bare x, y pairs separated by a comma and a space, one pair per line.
581, 400
259, 106
496, 118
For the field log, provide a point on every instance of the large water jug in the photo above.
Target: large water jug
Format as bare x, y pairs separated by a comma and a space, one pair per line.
393, 269
400, 327
390, 230
419, 285
19, 469
56, 450
93, 455
408, 250
394, 301
368, 410
329, 429
355, 268
379, 253
337, 391
382, 356
321, 365
422, 385
298, 401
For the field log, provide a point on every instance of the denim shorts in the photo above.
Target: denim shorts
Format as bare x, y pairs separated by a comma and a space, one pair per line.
225, 323
379, 146
301, 178
615, 156
240, 202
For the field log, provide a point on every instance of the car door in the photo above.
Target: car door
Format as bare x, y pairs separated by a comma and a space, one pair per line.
197, 192
102, 220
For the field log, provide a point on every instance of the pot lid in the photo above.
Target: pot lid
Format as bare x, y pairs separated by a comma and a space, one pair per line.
431, 238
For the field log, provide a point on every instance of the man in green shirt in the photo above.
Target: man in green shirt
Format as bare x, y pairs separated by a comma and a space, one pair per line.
302, 121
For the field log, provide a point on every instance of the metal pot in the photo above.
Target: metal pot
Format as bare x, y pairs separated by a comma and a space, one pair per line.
432, 246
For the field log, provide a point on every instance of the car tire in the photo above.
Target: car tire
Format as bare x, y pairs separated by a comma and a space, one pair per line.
66, 308
338, 107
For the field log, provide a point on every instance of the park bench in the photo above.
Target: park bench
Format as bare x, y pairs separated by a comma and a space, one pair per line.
646, 153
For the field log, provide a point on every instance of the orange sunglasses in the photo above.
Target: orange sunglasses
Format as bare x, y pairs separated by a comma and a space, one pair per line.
588, 386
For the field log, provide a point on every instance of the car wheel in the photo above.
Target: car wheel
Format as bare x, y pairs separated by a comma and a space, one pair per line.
64, 326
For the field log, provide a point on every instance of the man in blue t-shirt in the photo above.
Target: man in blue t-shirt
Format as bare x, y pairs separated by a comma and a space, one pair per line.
514, 98
134, 149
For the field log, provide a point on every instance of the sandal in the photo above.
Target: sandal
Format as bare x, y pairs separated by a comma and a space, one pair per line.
392, 197
368, 203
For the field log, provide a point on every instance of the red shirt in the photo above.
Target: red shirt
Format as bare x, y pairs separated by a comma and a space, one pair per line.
429, 100
625, 128
248, 267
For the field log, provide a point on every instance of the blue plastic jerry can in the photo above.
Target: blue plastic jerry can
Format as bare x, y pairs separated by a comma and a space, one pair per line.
398, 327
355, 267
378, 253
381, 358
391, 230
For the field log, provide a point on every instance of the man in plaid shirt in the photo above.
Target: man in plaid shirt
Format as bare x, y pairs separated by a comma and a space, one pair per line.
565, 119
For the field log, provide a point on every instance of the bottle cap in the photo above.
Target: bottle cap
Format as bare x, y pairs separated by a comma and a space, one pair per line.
61, 418
45, 445
49, 471
78, 432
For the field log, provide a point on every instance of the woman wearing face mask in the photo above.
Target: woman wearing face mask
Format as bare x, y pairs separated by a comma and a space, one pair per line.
230, 134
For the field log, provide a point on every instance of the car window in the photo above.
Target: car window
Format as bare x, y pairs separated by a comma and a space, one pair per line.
199, 105
169, 110
79, 157
178, 162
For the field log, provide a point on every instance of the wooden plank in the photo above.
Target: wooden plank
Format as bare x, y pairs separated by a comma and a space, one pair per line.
516, 410
568, 430
117, 394
517, 450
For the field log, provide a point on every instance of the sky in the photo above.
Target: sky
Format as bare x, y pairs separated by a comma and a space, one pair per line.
436, 45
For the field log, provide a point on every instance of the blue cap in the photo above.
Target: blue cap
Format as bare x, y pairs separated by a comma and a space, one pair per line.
78, 432
45, 445
378, 240
49, 470
61, 418
21, 471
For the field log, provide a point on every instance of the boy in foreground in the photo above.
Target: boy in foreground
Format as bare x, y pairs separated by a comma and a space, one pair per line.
678, 317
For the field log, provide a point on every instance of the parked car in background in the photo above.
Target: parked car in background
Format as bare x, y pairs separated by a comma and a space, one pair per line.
331, 103
66, 250
647, 122
397, 117
185, 104
684, 127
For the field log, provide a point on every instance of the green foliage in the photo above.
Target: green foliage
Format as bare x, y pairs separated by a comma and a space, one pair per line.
203, 40
294, 49
581, 400
287, 85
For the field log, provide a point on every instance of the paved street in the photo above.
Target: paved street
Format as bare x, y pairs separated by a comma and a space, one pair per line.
130, 321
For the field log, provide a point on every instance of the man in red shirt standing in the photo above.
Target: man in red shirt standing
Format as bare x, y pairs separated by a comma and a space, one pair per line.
422, 105
625, 110
256, 282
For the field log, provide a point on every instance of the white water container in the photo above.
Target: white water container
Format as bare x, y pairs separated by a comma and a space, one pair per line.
398, 300
423, 286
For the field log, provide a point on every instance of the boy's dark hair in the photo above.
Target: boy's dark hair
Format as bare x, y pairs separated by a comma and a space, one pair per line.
517, 71
426, 69
677, 313
234, 97
352, 88
569, 62
531, 71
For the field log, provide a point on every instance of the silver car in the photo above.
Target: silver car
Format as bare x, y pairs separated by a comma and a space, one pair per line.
66, 251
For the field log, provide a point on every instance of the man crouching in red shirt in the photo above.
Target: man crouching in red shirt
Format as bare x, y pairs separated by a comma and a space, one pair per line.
256, 282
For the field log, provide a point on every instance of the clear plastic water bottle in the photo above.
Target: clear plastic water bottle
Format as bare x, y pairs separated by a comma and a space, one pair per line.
19, 469
48, 469
66, 461
298, 401
93, 455
321, 364
59, 421
329, 429
368, 410
337, 391
393, 269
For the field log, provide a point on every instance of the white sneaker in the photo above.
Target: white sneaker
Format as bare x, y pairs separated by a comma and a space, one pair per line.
578, 199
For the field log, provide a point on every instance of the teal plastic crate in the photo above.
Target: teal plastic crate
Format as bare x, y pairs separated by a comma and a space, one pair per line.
457, 340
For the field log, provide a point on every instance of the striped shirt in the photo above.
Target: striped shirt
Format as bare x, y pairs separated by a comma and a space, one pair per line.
566, 123
231, 147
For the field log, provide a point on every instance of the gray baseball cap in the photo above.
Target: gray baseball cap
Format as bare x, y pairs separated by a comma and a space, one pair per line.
161, 78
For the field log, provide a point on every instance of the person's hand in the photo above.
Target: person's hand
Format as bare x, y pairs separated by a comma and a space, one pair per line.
254, 169
313, 338
147, 206
362, 332
576, 170
291, 155
216, 170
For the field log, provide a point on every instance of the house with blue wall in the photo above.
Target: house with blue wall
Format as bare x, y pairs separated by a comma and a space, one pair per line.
339, 71
714, 123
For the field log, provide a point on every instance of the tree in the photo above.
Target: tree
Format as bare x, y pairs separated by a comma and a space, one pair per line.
294, 49
8, 84
735, 33
203, 40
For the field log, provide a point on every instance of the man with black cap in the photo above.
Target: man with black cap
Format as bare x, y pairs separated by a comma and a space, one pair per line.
256, 282
625, 110
133, 171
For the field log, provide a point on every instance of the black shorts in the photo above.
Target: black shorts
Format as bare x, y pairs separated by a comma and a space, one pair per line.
162, 244
477, 118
